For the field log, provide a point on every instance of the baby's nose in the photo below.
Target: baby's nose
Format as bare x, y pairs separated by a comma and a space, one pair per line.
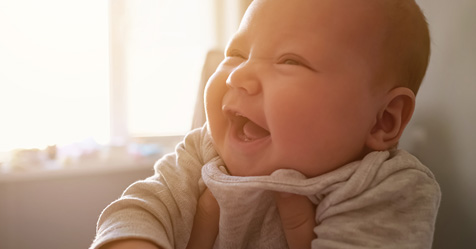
245, 77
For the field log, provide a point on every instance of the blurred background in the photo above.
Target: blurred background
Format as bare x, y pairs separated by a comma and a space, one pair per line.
442, 133
92, 92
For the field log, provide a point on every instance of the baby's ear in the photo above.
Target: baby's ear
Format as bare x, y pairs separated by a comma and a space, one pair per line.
392, 119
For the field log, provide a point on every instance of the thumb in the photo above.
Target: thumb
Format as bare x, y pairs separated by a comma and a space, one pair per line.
297, 214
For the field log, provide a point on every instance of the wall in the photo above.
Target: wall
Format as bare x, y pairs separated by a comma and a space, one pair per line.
442, 133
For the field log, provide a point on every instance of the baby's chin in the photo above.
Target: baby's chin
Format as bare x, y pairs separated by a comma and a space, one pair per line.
248, 169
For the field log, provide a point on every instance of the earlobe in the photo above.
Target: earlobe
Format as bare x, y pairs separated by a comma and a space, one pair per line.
392, 119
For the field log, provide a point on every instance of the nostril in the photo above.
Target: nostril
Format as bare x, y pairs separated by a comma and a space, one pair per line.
245, 79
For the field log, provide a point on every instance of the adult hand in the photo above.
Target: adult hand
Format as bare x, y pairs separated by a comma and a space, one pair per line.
205, 223
297, 214
297, 217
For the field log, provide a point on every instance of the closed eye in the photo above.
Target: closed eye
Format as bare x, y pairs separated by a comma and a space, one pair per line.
236, 54
290, 62
294, 60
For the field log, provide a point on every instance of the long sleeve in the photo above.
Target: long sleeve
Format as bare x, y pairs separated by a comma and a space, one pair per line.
160, 208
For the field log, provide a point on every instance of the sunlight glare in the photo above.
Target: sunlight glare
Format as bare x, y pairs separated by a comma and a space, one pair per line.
54, 77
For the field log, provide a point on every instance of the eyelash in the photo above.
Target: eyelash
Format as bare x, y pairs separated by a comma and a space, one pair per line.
292, 62
235, 53
284, 61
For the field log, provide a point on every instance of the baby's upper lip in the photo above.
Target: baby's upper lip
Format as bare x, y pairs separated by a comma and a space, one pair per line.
233, 113
236, 114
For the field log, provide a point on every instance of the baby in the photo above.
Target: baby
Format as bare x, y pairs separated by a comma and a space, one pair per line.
311, 100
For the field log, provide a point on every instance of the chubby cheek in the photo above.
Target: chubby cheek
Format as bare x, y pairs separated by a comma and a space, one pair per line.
313, 140
214, 92
310, 150
292, 133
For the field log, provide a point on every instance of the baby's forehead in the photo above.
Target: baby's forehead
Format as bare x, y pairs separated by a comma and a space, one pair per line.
365, 25
332, 16
354, 12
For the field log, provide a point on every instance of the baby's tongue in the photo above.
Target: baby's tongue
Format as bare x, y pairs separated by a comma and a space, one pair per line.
253, 131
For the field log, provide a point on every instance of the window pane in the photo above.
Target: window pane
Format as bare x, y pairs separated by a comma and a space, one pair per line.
166, 42
53, 72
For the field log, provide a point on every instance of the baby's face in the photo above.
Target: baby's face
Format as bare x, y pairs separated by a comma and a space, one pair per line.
295, 90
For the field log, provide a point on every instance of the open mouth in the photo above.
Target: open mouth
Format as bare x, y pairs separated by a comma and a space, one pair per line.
248, 130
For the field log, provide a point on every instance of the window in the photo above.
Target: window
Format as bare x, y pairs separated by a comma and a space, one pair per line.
53, 72
162, 46
72, 70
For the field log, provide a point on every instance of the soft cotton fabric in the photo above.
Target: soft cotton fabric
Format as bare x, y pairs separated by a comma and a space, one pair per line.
387, 200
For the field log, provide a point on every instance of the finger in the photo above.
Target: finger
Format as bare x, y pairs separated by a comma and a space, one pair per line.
205, 223
297, 214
